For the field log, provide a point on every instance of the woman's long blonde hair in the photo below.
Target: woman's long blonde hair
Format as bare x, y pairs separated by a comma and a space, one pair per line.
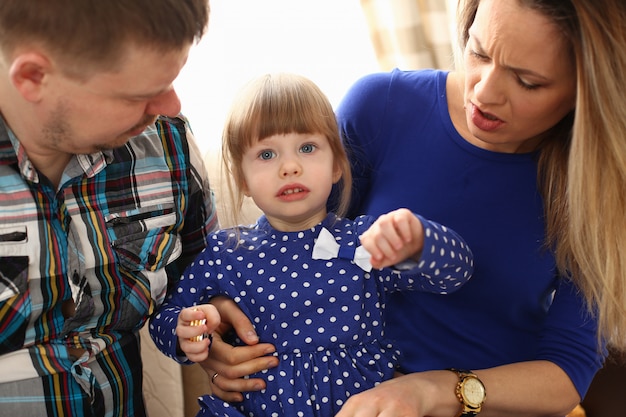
276, 104
582, 167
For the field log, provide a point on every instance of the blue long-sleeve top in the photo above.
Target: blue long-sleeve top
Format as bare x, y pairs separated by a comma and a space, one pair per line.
406, 153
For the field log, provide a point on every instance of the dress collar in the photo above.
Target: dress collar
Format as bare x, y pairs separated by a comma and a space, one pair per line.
264, 225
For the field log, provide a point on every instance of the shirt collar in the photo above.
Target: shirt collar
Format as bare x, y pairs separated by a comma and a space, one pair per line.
12, 151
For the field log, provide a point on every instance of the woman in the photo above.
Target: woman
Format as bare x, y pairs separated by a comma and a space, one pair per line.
522, 153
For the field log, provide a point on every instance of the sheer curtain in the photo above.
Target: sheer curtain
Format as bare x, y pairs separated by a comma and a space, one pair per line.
412, 34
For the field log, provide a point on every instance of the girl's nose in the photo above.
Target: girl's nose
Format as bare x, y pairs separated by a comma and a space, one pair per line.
290, 168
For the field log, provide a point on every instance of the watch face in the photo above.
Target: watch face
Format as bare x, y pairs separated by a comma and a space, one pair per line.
473, 391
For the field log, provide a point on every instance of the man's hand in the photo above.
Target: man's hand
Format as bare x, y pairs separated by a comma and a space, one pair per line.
230, 363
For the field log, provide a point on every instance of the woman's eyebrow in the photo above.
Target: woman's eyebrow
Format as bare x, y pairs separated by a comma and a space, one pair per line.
517, 70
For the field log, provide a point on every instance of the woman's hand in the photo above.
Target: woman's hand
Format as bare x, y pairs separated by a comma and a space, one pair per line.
413, 395
233, 363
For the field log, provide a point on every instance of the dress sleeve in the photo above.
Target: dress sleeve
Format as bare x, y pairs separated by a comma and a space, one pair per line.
197, 285
445, 264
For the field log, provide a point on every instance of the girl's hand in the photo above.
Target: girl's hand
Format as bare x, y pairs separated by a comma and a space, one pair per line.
194, 323
394, 237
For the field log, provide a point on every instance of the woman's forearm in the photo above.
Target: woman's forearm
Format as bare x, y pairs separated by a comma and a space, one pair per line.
535, 388
527, 389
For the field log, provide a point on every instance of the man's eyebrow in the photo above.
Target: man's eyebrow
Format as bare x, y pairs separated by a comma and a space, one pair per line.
146, 96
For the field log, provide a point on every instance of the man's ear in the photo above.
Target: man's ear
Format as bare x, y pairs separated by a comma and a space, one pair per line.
27, 73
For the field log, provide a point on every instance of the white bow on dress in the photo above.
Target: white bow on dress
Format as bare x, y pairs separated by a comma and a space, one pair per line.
326, 247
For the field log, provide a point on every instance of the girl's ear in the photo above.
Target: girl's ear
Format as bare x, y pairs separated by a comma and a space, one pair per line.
244, 188
337, 173
28, 72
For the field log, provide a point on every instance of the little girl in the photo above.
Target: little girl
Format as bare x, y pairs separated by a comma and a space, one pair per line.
313, 283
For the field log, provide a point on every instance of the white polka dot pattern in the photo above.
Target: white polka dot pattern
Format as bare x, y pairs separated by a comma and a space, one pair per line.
325, 317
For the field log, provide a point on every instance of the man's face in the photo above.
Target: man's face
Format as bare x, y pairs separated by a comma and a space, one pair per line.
107, 109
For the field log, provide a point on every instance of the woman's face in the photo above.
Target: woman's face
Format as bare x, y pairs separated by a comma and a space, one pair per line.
520, 77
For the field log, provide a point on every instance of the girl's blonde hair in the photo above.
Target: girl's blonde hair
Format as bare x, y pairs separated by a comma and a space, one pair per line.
582, 167
276, 104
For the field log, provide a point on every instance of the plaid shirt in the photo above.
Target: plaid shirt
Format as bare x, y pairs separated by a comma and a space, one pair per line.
104, 242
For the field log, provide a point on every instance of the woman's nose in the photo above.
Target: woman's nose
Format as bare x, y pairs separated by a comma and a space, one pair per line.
490, 89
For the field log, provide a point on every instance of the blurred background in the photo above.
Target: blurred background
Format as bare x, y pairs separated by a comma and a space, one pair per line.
333, 42
325, 40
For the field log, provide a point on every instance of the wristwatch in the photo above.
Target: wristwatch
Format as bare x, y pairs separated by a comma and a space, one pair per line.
470, 391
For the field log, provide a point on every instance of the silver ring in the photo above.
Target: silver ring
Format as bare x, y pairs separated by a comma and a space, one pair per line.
215, 375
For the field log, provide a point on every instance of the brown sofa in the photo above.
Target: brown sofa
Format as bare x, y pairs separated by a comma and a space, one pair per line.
170, 389
607, 395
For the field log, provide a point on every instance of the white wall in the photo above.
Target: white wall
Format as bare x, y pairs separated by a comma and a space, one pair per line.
325, 40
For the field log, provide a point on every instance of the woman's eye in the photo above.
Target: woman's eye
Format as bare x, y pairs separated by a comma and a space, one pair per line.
266, 155
527, 86
308, 148
477, 55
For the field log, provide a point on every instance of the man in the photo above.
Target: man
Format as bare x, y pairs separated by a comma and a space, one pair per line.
103, 196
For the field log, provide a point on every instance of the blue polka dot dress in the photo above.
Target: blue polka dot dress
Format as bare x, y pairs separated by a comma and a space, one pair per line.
324, 316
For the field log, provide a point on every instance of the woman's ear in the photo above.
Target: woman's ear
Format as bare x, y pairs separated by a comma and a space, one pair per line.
27, 73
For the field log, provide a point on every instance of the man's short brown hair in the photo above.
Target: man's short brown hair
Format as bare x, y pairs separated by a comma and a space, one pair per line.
93, 33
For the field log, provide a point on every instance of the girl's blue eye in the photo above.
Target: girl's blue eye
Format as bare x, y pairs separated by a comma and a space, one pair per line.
308, 148
266, 155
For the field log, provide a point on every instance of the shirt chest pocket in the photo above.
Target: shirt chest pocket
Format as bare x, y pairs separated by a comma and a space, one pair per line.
145, 241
